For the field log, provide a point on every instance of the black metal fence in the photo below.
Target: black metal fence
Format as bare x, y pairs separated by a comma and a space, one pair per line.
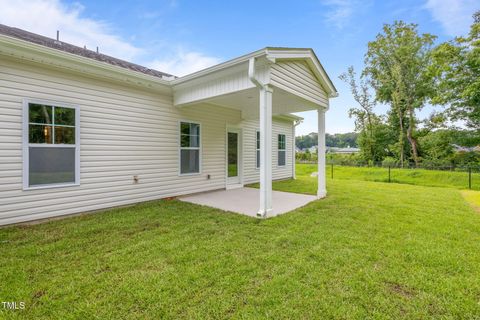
464, 177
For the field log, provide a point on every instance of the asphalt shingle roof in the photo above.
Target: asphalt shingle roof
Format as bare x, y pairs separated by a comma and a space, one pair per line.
83, 52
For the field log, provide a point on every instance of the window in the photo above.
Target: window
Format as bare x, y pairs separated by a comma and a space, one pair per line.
51, 145
189, 148
281, 150
257, 148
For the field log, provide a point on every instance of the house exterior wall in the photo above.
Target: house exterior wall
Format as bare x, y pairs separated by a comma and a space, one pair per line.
124, 132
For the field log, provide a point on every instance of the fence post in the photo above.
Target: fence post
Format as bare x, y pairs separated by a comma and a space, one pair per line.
332, 170
469, 177
389, 180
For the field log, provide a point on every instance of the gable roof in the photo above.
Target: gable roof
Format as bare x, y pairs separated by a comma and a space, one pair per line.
272, 54
83, 52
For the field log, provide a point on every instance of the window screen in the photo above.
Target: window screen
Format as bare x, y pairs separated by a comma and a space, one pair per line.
51, 165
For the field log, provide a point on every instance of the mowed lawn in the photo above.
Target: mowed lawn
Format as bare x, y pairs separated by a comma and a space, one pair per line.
369, 250
422, 177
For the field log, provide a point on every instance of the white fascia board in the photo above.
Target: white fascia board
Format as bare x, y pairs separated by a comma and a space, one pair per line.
322, 74
288, 116
34, 52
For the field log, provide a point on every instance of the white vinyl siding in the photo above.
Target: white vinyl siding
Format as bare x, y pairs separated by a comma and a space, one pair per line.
125, 132
250, 173
297, 78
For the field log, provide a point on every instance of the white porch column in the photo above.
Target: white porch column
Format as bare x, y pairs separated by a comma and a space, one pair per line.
322, 188
294, 153
265, 151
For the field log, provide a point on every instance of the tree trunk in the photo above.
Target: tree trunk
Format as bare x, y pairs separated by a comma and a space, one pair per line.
411, 139
402, 136
372, 152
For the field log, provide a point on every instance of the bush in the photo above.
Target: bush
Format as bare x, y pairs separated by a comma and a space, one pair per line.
306, 157
465, 159
437, 164
353, 159
389, 162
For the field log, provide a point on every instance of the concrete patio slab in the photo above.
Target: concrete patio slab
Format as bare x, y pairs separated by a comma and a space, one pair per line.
246, 200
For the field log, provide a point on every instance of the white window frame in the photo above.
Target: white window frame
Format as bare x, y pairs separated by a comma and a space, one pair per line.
257, 150
180, 148
26, 144
281, 150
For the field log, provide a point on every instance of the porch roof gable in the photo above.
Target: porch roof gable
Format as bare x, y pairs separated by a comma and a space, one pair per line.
296, 73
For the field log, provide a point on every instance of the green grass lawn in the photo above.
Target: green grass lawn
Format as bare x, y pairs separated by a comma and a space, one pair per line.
472, 197
432, 178
369, 250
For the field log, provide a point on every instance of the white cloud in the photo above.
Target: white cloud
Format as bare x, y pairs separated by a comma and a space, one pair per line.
454, 15
341, 11
184, 62
45, 17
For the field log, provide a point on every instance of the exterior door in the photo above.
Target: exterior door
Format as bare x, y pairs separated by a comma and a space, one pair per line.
233, 157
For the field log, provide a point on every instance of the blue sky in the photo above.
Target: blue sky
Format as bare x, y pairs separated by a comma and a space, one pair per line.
183, 36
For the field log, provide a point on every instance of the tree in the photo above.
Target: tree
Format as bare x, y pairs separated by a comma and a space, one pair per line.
398, 63
366, 120
437, 145
457, 75
340, 140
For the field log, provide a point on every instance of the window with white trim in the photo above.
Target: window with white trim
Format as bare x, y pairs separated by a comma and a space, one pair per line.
257, 149
51, 145
281, 150
189, 148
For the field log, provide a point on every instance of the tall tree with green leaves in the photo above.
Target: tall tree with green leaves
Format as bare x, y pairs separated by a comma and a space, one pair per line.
365, 118
457, 71
398, 62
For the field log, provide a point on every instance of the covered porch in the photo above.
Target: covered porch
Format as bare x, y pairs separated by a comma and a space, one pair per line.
269, 83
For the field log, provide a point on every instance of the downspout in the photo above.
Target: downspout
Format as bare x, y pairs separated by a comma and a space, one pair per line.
294, 147
251, 74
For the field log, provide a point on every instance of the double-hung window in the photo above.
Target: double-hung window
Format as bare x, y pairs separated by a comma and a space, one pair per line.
51, 148
189, 148
257, 149
281, 150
